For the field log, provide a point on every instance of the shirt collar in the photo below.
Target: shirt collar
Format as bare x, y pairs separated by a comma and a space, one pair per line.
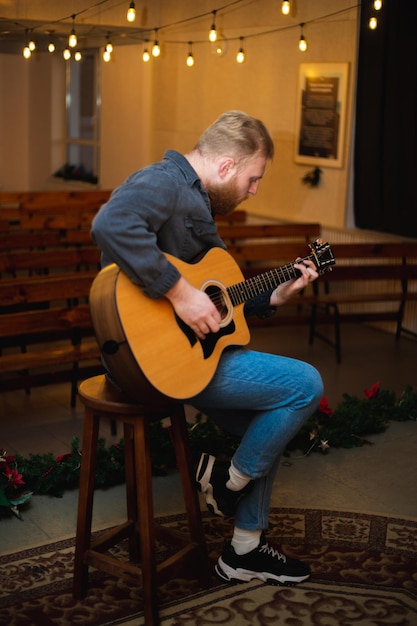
181, 162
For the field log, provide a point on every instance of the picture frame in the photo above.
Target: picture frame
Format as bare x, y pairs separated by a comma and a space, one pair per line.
321, 114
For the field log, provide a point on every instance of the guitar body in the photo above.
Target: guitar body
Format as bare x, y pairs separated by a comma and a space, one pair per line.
146, 347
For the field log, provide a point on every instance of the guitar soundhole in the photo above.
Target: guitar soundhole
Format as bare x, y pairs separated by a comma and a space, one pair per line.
217, 298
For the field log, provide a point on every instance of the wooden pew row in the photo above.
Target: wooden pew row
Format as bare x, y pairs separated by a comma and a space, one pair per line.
46, 331
372, 282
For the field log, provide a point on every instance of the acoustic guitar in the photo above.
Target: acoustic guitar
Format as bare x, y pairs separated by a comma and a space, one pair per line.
147, 346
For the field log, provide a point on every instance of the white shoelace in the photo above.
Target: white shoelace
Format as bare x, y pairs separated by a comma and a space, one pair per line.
267, 549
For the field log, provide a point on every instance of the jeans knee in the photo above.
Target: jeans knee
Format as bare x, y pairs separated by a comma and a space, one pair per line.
316, 387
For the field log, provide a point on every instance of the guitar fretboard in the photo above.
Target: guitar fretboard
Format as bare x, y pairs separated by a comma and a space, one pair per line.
247, 289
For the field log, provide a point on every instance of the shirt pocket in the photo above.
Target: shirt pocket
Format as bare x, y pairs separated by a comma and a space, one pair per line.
200, 235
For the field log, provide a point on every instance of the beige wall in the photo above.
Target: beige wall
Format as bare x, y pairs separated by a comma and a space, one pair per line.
146, 108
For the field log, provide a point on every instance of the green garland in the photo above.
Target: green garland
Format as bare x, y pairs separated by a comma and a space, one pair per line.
346, 426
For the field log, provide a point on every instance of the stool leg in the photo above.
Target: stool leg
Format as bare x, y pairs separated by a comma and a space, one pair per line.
192, 505
85, 501
131, 495
146, 520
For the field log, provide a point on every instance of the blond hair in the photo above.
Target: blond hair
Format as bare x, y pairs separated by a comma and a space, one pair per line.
237, 134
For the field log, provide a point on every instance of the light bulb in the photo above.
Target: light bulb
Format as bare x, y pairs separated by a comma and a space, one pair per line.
78, 56
377, 5
106, 55
190, 60
31, 45
156, 50
302, 43
131, 12
213, 31
146, 57
72, 39
66, 54
373, 23
27, 53
285, 7
240, 57
51, 46
109, 47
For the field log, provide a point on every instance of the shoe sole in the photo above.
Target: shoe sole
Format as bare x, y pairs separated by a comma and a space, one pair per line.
204, 470
239, 575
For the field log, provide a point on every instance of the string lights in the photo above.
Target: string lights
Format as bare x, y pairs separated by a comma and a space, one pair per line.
190, 57
156, 50
285, 7
146, 57
240, 57
373, 20
213, 32
218, 47
302, 43
29, 47
72, 39
108, 49
131, 12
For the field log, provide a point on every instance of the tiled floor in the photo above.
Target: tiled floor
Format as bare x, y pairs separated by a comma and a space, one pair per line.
378, 478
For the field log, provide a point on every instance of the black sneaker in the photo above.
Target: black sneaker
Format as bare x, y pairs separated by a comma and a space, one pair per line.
264, 563
211, 478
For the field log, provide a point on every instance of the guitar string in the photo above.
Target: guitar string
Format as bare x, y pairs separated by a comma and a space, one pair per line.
246, 289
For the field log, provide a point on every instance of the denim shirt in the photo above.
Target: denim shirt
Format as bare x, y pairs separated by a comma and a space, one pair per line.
160, 208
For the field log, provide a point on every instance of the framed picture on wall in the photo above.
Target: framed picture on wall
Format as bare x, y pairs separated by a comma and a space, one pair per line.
321, 114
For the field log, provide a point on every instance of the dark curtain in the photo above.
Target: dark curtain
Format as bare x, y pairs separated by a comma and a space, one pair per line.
385, 166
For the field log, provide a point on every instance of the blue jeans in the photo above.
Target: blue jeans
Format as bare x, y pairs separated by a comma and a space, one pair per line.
264, 399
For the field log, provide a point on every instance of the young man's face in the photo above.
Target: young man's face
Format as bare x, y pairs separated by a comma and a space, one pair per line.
242, 182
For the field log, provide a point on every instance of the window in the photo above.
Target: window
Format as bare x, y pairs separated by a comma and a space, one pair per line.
82, 132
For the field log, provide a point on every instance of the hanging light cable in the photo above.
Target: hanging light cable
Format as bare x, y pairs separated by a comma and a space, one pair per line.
131, 12
72, 39
302, 43
213, 31
240, 57
156, 50
190, 57
285, 7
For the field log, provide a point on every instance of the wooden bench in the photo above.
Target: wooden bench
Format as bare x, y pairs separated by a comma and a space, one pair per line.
46, 331
372, 282
258, 248
47, 264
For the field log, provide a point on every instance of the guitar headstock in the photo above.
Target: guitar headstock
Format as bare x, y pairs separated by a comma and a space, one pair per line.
322, 256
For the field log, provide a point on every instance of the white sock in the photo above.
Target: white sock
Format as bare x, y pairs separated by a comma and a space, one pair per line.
244, 541
237, 480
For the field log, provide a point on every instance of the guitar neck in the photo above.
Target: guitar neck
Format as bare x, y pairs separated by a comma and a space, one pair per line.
248, 289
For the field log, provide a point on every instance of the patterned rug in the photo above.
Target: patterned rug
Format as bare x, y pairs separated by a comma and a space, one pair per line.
364, 572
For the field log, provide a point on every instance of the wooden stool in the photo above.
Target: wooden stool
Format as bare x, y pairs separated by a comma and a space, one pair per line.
102, 400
